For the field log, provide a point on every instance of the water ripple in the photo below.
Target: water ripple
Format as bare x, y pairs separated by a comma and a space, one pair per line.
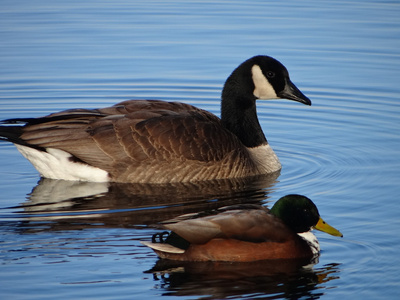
325, 144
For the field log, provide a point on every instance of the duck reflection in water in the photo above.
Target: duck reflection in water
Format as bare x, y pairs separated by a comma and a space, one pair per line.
282, 279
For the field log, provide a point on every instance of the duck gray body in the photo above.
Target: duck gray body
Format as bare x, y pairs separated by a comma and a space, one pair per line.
156, 141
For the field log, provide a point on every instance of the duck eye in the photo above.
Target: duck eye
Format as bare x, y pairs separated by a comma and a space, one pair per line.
270, 74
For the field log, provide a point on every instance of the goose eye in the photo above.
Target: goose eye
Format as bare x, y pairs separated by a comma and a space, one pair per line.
270, 74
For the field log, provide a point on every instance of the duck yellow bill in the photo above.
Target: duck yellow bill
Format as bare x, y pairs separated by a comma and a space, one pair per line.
325, 227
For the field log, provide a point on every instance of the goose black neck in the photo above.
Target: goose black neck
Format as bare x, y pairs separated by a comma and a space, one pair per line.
239, 112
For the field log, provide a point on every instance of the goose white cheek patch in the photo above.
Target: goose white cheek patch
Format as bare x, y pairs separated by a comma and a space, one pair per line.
263, 89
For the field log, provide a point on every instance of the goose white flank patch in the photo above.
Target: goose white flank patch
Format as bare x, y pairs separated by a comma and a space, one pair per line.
152, 141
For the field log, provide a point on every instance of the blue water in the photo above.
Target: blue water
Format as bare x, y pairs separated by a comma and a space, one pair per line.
75, 240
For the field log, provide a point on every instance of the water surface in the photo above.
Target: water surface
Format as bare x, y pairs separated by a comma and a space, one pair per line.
81, 240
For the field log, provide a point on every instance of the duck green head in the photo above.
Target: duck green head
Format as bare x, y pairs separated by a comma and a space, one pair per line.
301, 215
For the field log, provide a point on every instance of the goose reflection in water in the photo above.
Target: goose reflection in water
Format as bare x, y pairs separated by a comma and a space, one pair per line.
283, 279
74, 205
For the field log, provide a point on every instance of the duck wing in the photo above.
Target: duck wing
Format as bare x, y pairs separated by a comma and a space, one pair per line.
254, 225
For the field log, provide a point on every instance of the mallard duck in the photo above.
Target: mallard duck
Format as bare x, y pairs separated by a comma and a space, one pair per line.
151, 141
244, 233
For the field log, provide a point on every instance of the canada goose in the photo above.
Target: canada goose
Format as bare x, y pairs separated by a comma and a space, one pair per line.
152, 141
244, 233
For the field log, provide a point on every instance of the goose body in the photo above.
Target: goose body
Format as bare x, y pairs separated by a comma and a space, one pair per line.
245, 233
152, 141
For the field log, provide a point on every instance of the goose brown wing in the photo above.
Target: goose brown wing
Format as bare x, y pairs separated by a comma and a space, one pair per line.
133, 132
